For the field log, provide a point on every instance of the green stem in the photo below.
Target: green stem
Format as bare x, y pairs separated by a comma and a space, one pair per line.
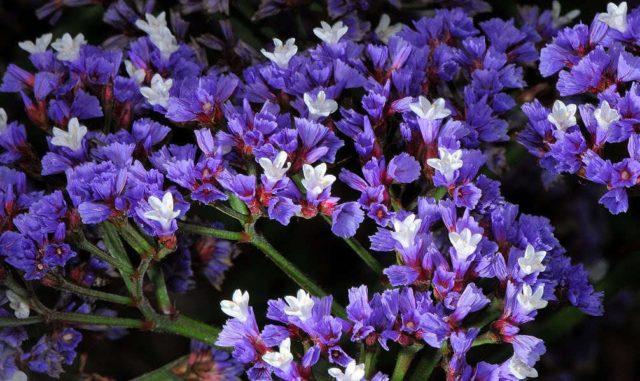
363, 253
370, 360
165, 372
162, 295
405, 357
425, 367
290, 269
114, 245
187, 327
11, 322
86, 319
62, 284
218, 233
487, 338
139, 243
118, 263
243, 218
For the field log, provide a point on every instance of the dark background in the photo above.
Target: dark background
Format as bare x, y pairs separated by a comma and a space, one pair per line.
579, 347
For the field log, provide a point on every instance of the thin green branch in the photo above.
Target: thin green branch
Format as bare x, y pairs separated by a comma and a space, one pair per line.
218, 233
425, 367
87, 246
363, 253
162, 295
11, 322
60, 283
403, 362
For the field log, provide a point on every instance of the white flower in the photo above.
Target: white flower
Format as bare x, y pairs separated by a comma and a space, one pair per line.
19, 306
385, 30
530, 300
3, 120
331, 34
406, 230
431, 111
300, 305
68, 48
448, 163
353, 372
158, 93
560, 20
40, 45
162, 210
605, 115
238, 307
282, 53
464, 242
520, 370
321, 106
562, 116
281, 359
136, 74
531, 262
315, 181
159, 34
616, 16
72, 137
275, 170
153, 24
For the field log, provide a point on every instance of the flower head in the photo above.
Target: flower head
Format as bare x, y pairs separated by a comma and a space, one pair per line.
448, 162
530, 300
406, 230
465, 243
40, 45
18, 304
353, 372
331, 34
430, 111
72, 138
158, 93
520, 369
276, 169
300, 305
605, 115
162, 210
616, 16
281, 359
563, 116
531, 262
315, 178
238, 306
385, 30
282, 53
68, 47
321, 106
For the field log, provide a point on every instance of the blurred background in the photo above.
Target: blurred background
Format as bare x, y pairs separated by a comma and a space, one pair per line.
579, 347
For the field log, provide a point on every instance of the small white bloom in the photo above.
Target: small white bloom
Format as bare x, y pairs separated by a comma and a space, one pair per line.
300, 305
72, 137
616, 16
134, 73
531, 262
520, 370
331, 34
321, 106
159, 34
431, 111
153, 24
448, 162
275, 170
238, 307
68, 48
385, 30
353, 372
562, 20
406, 230
530, 300
162, 210
158, 93
3, 120
281, 359
605, 115
464, 242
282, 53
19, 306
40, 45
315, 181
562, 116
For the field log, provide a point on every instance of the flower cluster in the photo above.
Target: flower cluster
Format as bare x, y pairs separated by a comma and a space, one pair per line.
397, 127
597, 67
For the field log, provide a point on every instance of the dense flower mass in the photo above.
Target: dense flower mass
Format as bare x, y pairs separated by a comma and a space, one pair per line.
597, 72
374, 126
